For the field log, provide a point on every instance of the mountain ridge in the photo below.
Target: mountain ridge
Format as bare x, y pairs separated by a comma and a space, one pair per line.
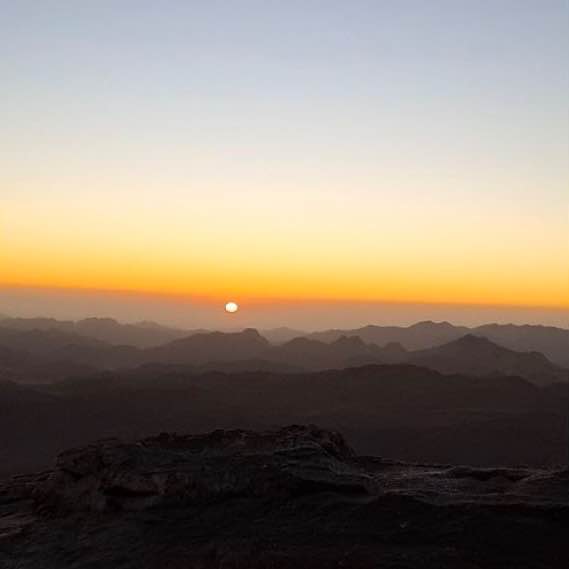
468, 354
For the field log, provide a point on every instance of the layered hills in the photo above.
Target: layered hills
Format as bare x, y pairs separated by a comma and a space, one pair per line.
61, 354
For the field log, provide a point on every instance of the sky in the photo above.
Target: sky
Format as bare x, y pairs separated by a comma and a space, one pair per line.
277, 153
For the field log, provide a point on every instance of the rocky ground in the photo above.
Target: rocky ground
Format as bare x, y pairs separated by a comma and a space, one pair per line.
294, 497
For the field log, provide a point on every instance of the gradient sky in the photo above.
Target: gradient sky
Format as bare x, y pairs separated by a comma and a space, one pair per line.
254, 149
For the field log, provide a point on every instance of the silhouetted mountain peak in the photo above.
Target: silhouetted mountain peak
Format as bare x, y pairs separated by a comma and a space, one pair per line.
247, 333
429, 324
302, 342
480, 356
212, 346
472, 340
349, 342
252, 333
469, 345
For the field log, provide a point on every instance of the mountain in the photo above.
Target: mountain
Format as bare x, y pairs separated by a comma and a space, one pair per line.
47, 348
479, 356
141, 335
108, 330
26, 353
415, 337
550, 341
312, 354
41, 356
248, 350
43, 342
200, 349
394, 352
470, 355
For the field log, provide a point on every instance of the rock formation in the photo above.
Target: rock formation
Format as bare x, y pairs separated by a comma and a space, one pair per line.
283, 499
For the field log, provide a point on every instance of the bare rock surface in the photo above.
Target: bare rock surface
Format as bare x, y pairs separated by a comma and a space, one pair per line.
111, 475
292, 497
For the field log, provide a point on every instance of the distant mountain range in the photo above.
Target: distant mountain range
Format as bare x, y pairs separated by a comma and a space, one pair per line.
431, 392
479, 356
141, 335
550, 341
51, 354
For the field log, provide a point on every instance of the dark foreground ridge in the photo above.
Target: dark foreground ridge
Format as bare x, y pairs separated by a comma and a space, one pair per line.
293, 497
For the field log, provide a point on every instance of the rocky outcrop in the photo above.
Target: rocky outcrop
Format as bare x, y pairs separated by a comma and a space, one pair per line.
282, 499
113, 475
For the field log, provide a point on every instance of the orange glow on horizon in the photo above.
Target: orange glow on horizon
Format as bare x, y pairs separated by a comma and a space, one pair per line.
251, 258
247, 298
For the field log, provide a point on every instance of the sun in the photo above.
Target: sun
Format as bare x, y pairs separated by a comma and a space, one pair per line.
231, 307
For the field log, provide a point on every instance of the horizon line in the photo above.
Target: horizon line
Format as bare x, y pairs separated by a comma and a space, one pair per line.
204, 299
